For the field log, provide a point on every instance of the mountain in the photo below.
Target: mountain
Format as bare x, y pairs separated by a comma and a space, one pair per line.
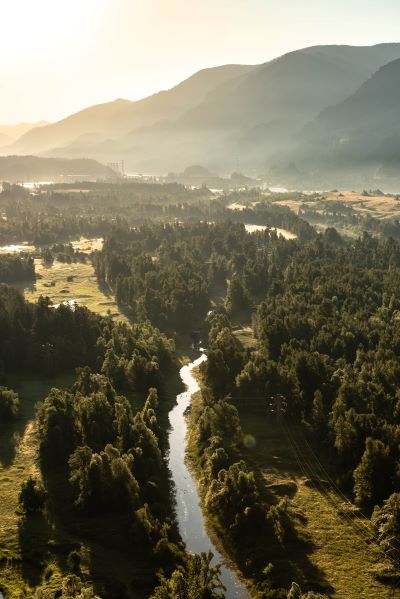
114, 119
372, 112
222, 118
31, 168
5, 139
362, 132
295, 86
9, 133
253, 117
250, 117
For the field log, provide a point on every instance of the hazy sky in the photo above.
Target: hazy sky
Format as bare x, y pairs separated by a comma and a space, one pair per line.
58, 56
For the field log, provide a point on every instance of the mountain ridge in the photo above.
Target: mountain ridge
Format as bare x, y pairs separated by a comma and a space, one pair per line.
255, 115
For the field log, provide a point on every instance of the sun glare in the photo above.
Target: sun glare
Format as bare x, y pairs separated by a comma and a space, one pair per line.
47, 28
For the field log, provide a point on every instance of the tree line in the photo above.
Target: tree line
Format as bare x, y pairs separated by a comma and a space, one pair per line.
15, 268
327, 335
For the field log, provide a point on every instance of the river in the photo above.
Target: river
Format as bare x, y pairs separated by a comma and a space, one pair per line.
189, 515
281, 232
79, 281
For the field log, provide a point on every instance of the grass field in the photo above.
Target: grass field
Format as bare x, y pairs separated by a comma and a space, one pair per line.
338, 555
81, 287
62, 282
375, 206
18, 460
245, 336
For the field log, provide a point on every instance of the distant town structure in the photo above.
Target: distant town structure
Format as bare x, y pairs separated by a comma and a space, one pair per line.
118, 167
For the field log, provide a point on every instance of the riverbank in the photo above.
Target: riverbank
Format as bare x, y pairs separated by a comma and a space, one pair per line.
313, 554
191, 522
216, 533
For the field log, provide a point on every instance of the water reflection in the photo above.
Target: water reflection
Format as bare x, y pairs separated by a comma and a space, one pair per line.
189, 514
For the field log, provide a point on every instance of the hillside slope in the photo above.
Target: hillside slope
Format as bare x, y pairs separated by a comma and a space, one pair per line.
359, 136
371, 114
32, 168
114, 119
235, 117
251, 117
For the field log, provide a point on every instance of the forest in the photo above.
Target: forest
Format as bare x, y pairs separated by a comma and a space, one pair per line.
301, 334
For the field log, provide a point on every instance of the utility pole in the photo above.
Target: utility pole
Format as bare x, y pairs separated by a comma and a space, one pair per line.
277, 405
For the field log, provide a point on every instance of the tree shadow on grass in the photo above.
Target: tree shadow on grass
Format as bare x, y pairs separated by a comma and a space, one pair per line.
108, 292
290, 560
11, 434
105, 288
108, 555
34, 534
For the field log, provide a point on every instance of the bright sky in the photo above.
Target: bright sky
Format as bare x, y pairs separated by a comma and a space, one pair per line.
58, 56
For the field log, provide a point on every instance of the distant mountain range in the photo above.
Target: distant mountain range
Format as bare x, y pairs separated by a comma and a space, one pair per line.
313, 115
362, 132
32, 168
10, 133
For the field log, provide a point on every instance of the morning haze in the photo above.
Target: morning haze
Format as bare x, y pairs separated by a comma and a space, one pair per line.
199, 300
58, 57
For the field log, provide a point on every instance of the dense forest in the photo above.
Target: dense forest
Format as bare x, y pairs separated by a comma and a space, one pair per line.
327, 346
323, 312
325, 320
104, 456
15, 268
54, 214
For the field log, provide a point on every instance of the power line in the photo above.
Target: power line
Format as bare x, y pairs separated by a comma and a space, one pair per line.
304, 463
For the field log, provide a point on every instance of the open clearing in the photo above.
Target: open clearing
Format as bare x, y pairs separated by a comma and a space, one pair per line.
74, 283
329, 534
82, 287
18, 461
376, 206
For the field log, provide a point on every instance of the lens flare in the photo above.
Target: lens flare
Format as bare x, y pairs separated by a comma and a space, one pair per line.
249, 441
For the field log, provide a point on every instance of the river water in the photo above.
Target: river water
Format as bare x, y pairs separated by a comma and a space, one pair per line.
189, 515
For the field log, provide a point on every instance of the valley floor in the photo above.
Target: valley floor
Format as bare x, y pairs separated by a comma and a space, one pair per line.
341, 555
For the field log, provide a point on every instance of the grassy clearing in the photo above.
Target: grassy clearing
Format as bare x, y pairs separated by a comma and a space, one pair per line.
18, 460
62, 282
246, 337
82, 287
336, 558
376, 206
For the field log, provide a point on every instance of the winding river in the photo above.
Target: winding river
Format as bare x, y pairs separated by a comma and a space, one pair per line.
189, 515
190, 518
